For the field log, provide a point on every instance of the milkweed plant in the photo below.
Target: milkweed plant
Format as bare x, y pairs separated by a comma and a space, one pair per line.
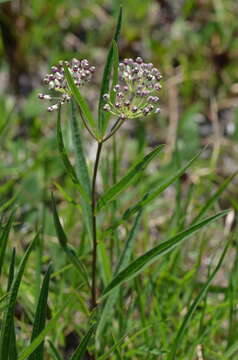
130, 89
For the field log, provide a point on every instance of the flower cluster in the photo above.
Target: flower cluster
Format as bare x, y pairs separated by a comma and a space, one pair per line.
81, 72
136, 95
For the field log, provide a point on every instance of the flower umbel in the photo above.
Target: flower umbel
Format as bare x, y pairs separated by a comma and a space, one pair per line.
81, 72
136, 94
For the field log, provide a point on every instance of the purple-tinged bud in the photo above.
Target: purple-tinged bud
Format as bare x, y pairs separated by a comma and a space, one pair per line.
127, 103
146, 111
120, 95
85, 64
55, 107
135, 70
139, 60
134, 109
47, 97
106, 107
75, 68
122, 117
145, 93
54, 69
150, 107
155, 99
117, 105
157, 86
117, 87
41, 96
125, 88
92, 69
157, 110
46, 81
105, 96
50, 109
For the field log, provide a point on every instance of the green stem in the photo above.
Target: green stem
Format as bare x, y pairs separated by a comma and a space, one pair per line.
94, 225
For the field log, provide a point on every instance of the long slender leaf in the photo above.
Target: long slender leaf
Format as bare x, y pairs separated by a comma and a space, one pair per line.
4, 239
54, 351
153, 194
152, 255
81, 349
73, 258
194, 305
79, 98
13, 346
40, 317
50, 326
81, 169
68, 167
126, 180
122, 263
102, 116
6, 330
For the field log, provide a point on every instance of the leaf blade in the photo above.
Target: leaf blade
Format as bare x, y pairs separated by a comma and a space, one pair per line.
102, 116
40, 316
126, 180
152, 255
81, 349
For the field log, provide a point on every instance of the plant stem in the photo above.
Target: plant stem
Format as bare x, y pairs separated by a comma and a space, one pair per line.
94, 224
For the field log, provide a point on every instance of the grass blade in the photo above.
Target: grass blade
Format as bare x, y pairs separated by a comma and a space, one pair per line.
13, 346
102, 115
40, 316
73, 258
6, 330
54, 351
194, 305
4, 239
80, 351
152, 255
126, 180
79, 98
38, 340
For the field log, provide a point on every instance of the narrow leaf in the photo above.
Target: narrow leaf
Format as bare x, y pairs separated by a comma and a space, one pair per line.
6, 330
152, 255
55, 352
102, 115
50, 326
81, 169
13, 346
4, 239
40, 317
68, 167
126, 180
73, 258
78, 97
153, 194
81, 349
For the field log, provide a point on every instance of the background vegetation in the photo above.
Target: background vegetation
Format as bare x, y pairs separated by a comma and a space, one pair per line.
194, 43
